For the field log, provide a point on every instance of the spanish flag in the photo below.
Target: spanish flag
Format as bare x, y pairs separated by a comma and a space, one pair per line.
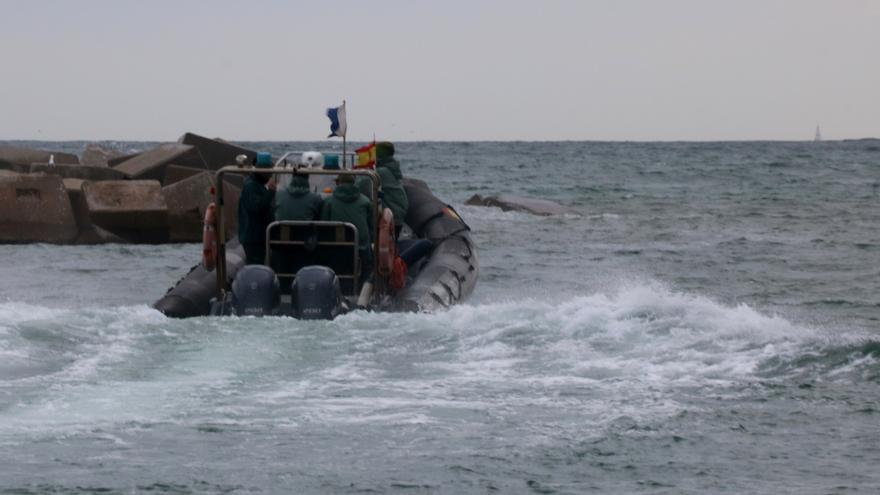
366, 156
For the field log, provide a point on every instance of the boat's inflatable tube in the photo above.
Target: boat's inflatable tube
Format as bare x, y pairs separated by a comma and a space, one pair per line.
191, 296
450, 273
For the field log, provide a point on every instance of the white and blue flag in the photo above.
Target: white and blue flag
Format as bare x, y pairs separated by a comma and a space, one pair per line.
337, 120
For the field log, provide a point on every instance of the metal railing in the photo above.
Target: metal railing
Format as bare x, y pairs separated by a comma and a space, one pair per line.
223, 285
287, 231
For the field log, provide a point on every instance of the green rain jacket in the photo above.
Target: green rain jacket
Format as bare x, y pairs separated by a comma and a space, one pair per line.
297, 202
254, 211
394, 195
348, 205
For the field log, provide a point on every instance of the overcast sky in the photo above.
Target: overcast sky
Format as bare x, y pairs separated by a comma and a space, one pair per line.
443, 70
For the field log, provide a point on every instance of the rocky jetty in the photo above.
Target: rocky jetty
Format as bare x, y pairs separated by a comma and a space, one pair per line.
155, 196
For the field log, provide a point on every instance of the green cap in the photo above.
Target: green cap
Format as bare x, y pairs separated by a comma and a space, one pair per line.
384, 149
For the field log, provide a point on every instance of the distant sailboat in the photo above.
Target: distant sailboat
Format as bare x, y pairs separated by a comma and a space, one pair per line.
818, 135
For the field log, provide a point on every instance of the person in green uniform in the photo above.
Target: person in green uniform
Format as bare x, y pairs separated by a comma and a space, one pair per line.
297, 202
347, 204
390, 176
255, 211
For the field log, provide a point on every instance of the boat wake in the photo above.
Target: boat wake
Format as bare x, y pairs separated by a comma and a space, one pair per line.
524, 375
643, 333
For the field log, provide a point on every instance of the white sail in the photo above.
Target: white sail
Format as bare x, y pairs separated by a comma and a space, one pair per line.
818, 135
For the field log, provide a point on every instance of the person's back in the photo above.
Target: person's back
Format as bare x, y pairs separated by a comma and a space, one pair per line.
297, 202
393, 194
347, 204
294, 203
255, 211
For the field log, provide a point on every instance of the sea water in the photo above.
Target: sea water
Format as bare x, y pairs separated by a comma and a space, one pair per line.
707, 321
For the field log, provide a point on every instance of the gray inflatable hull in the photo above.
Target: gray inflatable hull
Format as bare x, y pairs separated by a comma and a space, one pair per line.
450, 273
192, 294
446, 277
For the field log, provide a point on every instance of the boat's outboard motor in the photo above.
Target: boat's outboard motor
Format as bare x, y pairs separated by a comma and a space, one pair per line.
315, 294
255, 291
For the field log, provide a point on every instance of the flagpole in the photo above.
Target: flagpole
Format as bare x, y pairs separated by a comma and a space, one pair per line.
343, 136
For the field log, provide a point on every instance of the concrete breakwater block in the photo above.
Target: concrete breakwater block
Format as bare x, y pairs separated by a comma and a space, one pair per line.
236, 180
20, 159
113, 162
177, 173
89, 233
134, 210
96, 155
86, 172
187, 201
150, 165
14, 167
198, 184
231, 196
216, 153
35, 208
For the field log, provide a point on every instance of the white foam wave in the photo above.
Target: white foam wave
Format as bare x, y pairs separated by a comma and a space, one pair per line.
632, 352
72, 344
640, 332
610, 354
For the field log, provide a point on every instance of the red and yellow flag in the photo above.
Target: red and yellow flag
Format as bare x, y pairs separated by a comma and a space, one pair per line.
366, 156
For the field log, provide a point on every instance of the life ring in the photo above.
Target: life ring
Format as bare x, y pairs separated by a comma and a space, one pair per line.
387, 246
209, 238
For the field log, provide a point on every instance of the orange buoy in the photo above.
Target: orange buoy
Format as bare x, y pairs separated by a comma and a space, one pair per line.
386, 243
209, 238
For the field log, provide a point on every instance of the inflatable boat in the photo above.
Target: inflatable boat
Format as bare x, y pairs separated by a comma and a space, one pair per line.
312, 268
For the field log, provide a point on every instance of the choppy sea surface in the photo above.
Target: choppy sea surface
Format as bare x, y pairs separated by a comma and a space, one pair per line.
708, 322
